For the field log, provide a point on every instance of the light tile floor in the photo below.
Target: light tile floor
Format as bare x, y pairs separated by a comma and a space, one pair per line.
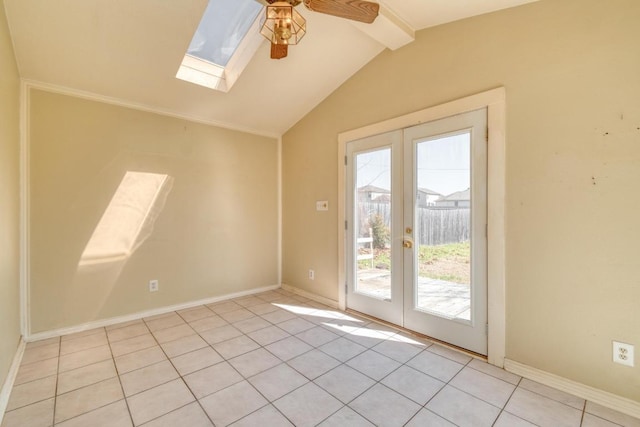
275, 359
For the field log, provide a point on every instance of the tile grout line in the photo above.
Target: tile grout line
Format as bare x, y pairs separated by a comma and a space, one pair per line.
32, 363
55, 392
37, 379
194, 350
604, 419
312, 348
92, 410
503, 409
224, 359
182, 377
551, 398
283, 362
82, 334
269, 402
379, 382
448, 383
139, 369
375, 382
493, 376
98, 382
78, 351
467, 364
115, 366
34, 380
584, 413
179, 374
344, 363
128, 337
301, 316
68, 371
422, 406
246, 379
445, 385
479, 398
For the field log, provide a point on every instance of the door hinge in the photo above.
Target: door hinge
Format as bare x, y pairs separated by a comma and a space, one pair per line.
486, 230
345, 160
486, 329
487, 134
346, 225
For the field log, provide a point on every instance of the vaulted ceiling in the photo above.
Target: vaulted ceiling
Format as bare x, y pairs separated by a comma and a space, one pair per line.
131, 51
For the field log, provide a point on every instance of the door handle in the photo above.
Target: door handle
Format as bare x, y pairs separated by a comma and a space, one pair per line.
407, 243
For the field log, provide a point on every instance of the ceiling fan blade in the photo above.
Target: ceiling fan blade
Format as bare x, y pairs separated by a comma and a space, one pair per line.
357, 10
279, 51
293, 3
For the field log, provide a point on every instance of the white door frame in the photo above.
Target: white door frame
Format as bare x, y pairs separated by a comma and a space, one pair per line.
494, 101
471, 333
390, 310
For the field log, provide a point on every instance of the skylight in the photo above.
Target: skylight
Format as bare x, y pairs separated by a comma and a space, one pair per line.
222, 28
223, 44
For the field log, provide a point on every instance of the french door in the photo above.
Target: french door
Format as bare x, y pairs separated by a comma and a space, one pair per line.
416, 228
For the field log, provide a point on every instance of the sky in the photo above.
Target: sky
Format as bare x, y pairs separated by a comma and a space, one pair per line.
443, 165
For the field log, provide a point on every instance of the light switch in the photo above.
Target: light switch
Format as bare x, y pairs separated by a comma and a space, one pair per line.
322, 205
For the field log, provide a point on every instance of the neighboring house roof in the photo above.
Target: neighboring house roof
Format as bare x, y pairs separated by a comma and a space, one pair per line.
429, 192
373, 189
385, 198
457, 196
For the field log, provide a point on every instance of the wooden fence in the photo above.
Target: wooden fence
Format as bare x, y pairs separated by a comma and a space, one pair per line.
436, 226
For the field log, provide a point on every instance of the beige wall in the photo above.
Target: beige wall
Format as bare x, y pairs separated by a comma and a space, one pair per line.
212, 231
571, 71
9, 200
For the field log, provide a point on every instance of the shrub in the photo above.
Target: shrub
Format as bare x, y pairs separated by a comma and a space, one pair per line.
380, 231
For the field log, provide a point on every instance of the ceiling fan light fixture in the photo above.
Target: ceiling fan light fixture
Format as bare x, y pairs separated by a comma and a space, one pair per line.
282, 24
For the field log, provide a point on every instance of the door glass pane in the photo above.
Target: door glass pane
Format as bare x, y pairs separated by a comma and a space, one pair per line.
373, 223
443, 226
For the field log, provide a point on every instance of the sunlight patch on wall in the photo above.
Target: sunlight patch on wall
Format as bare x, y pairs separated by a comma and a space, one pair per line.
129, 218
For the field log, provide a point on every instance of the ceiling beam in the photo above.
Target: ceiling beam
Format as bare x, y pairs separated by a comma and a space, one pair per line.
388, 29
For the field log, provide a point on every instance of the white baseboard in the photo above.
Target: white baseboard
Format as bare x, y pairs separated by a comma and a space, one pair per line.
139, 315
317, 298
5, 392
603, 398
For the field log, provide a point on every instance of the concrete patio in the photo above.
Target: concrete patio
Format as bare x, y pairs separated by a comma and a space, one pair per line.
439, 297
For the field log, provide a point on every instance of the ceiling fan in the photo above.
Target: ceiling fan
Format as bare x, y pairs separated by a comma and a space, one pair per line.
282, 25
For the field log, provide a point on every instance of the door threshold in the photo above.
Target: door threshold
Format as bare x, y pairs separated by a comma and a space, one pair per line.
418, 335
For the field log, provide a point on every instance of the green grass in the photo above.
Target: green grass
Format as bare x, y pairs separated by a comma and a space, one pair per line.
430, 254
380, 260
446, 277
448, 262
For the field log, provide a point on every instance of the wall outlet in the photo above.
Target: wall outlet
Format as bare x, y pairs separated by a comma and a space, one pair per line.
623, 353
153, 285
322, 205
312, 275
